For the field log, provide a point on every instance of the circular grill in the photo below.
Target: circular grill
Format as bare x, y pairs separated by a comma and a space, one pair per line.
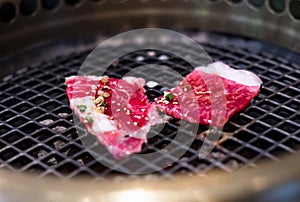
38, 133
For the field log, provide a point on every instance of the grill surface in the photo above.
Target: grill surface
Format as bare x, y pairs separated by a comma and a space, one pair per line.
37, 131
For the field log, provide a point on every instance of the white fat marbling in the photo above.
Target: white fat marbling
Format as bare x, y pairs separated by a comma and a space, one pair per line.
240, 76
102, 123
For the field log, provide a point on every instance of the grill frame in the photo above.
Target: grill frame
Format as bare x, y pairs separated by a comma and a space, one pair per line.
240, 17
223, 16
224, 149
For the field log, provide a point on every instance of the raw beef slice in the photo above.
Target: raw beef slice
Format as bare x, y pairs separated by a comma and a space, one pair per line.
229, 90
117, 111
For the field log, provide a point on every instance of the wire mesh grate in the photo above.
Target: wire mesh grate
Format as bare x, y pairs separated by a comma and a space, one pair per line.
37, 131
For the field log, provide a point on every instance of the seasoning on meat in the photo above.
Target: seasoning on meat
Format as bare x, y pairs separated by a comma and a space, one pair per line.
192, 99
117, 111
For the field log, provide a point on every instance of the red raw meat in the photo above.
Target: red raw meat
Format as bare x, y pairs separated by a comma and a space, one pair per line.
192, 99
116, 111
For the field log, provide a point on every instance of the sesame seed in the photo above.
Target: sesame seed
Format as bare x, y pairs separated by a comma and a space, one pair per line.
135, 123
100, 92
106, 94
101, 109
99, 100
117, 110
187, 88
202, 92
104, 79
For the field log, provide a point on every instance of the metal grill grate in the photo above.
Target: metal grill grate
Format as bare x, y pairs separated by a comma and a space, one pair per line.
37, 131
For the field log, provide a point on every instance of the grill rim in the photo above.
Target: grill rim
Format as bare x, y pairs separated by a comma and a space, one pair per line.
273, 27
247, 182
